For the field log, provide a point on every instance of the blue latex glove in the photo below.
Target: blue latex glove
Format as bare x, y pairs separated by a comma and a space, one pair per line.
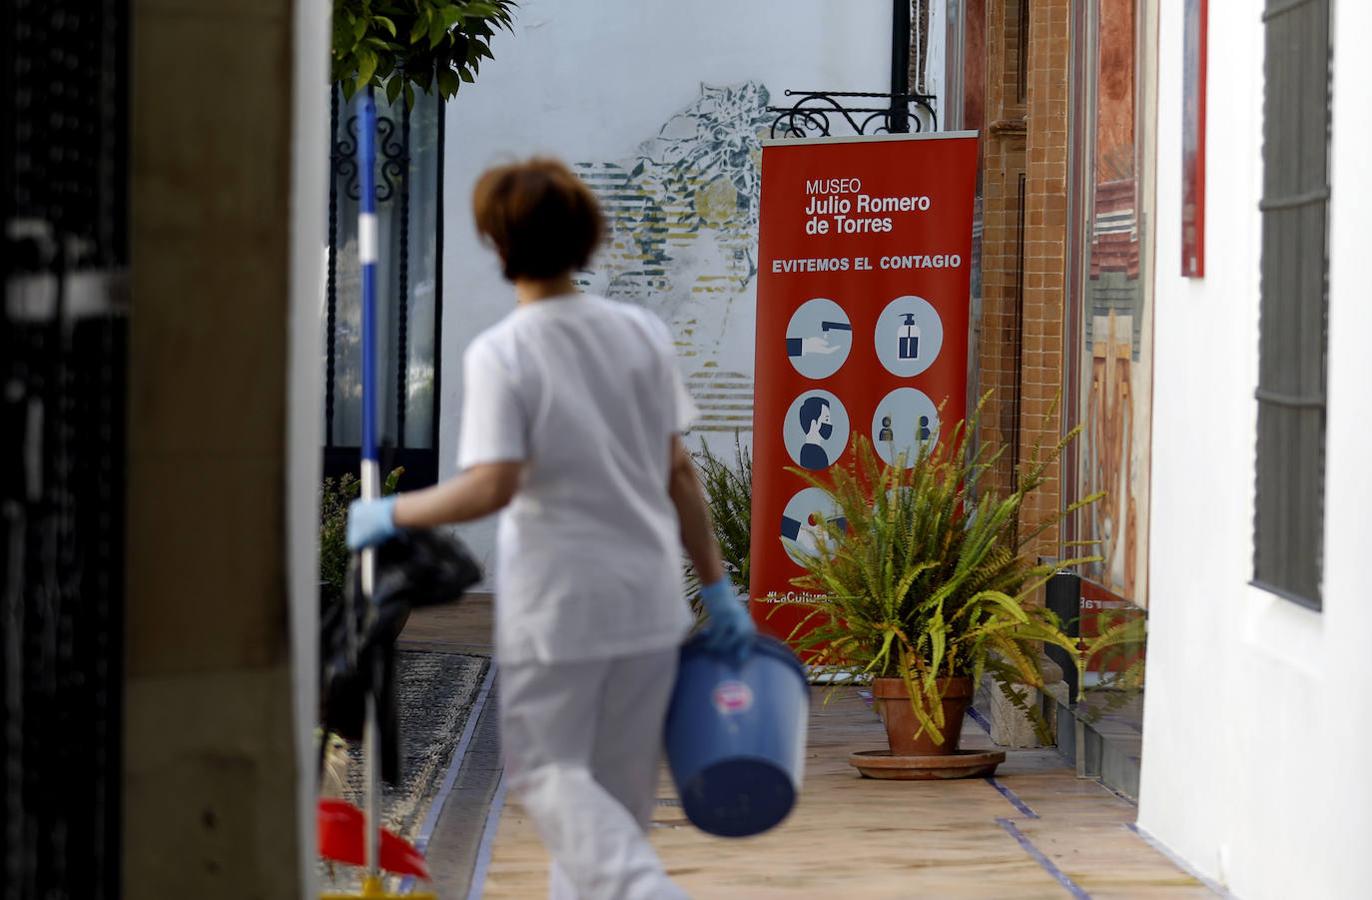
370, 522
731, 630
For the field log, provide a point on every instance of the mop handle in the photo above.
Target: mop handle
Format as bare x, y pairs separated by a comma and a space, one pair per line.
371, 475
367, 253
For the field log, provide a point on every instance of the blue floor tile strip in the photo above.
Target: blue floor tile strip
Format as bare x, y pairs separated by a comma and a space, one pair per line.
1213, 886
440, 800
483, 853
1024, 808
1044, 862
979, 719
455, 764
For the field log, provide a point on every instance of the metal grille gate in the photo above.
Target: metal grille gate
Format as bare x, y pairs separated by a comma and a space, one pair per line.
399, 161
62, 360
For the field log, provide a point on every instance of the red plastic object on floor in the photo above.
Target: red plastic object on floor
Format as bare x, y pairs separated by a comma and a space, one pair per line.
340, 839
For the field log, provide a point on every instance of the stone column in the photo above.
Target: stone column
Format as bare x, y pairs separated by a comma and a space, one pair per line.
213, 800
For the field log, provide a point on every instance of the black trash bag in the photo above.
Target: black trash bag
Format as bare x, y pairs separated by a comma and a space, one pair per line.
423, 567
413, 569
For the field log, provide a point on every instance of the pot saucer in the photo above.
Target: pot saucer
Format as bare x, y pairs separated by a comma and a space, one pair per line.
959, 764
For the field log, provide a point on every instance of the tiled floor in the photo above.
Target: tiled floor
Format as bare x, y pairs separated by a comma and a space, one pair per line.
855, 838
1036, 831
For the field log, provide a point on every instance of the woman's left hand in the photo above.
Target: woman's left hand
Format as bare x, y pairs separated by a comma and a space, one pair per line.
730, 631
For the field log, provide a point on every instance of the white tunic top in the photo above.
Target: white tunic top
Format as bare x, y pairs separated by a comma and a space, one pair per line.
586, 392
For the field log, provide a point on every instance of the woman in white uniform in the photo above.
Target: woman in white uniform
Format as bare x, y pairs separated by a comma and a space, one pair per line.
571, 420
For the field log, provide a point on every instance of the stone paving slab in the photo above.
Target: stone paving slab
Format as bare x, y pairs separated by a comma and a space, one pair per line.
462, 627
1035, 831
456, 840
849, 837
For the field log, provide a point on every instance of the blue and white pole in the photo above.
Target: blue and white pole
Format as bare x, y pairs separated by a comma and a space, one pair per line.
371, 472
367, 254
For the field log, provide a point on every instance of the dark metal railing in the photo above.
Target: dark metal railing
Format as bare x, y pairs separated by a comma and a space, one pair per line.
817, 113
393, 188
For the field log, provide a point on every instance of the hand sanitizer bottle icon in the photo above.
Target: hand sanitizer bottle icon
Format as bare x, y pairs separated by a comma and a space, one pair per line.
909, 338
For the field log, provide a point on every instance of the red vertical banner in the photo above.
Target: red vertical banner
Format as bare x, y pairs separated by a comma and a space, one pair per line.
1193, 140
864, 258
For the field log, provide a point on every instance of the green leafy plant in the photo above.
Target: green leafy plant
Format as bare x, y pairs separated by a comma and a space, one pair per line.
334, 497
1117, 654
728, 489
923, 573
1117, 651
401, 45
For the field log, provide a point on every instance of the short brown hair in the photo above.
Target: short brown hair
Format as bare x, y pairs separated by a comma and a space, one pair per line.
540, 218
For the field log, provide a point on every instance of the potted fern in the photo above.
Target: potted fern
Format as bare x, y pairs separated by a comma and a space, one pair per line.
929, 585
728, 487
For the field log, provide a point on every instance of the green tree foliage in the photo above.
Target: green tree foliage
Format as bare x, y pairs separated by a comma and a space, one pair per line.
401, 45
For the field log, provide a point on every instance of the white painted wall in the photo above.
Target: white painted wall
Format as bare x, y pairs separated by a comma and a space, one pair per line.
1257, 724
592, 81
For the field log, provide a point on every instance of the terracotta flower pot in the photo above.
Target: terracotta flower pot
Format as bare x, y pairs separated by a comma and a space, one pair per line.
893, 703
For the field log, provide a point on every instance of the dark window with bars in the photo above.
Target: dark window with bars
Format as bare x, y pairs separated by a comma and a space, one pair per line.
1289, 520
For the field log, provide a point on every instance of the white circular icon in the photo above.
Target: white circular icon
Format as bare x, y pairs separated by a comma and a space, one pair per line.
909, 336
818, 338
802, 522
816, 430
905, 419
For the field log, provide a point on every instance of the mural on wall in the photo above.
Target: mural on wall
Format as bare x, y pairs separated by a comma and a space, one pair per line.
1115, 355
682, 235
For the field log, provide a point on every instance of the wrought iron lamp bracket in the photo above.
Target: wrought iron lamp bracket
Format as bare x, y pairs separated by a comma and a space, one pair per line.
814, 113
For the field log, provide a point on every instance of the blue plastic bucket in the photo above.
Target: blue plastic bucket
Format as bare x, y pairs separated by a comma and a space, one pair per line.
736, 737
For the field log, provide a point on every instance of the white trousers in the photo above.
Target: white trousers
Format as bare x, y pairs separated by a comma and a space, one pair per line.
582, 743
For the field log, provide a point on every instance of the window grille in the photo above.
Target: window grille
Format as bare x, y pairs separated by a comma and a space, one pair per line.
1289, 515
